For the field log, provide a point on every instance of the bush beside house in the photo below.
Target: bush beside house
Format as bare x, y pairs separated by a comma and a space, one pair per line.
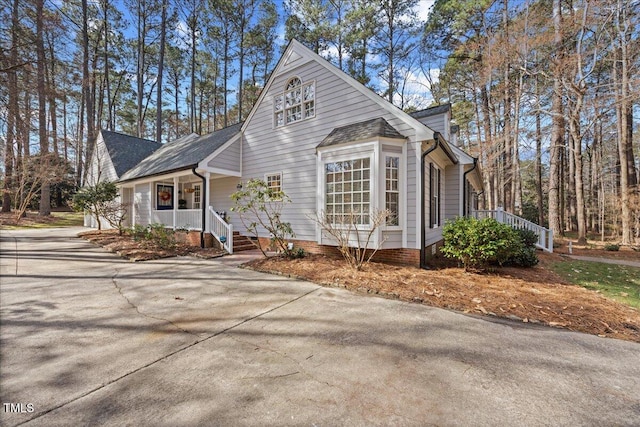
478, 244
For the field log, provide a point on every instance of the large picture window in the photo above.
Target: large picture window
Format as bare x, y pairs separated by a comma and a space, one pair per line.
392, 190
296, 103
348, 191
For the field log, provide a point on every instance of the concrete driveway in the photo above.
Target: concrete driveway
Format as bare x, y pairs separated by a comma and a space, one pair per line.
90, 339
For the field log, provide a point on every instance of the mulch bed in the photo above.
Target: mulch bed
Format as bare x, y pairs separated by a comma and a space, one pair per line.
144, 250
530, 295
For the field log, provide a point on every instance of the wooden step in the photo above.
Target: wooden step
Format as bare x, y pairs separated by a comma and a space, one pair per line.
242, 243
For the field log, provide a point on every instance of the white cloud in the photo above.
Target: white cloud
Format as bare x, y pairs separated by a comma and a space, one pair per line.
423, 9
183, 39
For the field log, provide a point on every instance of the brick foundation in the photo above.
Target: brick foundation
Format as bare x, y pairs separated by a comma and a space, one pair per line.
429, 252
402, 256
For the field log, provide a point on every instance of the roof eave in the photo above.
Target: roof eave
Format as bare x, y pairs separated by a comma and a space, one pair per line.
160, 173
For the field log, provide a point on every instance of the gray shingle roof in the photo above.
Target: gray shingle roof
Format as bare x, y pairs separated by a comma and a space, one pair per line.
431, 111
182, 153
362, 130
127, 151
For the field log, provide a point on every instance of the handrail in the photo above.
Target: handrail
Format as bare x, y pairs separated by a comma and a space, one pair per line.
545, 235
221, 230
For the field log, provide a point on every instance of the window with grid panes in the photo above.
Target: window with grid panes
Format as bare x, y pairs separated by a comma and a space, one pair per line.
196, 196
348, 191
392, 189
274, 181
295, 104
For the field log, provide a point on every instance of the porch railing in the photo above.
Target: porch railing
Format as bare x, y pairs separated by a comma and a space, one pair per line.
162, 217
221, 230
190, 219
545, 235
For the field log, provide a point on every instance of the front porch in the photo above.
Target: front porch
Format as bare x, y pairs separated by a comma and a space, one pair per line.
178, 219
179, 202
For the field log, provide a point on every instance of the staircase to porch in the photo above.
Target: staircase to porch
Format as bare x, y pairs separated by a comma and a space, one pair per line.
545, 235
232, 241
242, 243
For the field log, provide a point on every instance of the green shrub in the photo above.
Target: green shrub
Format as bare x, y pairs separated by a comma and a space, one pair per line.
161, 237
479, 243
525, 255
612, 247
138, 232
527, 237
295, 253
156, 235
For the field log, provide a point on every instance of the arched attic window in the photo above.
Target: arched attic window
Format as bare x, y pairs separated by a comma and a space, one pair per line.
295, 103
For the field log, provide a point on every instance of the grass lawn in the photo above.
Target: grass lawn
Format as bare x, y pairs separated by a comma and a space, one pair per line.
57, 219
619, 282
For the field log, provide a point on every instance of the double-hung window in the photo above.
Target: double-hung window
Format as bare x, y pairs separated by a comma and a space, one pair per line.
274, 181
295, 103
434, 196
348, 191
392, 190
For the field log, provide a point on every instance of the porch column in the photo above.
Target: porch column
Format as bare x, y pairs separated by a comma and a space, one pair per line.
176, 197
207, 200
152, 200
132, 214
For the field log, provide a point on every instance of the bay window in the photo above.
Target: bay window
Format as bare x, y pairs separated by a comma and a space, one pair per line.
348, 191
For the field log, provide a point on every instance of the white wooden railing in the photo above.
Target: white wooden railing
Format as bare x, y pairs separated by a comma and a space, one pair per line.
221, 230
162, 217
190, 219
545, 235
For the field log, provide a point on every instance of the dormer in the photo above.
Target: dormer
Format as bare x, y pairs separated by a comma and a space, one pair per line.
438, 119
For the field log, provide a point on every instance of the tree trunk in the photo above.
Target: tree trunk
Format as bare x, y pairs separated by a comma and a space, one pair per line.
142, 28
107, 86
163, 27
12, 113
45, 199
539, 193
623, 111
557, 126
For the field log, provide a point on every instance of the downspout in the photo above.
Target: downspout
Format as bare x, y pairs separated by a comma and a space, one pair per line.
423, 228
202, 206
464, 187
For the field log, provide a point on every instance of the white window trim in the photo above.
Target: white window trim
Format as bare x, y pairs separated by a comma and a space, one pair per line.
267, 175
197, 191
303, 103
402, 190
371, 186
373, 178
439, 195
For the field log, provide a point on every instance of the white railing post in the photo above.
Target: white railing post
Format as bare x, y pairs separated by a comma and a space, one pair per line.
550, 244
221, 230
499, 214
176, 201
205, 198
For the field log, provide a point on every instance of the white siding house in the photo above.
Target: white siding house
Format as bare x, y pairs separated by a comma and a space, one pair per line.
113, 155
333, 146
